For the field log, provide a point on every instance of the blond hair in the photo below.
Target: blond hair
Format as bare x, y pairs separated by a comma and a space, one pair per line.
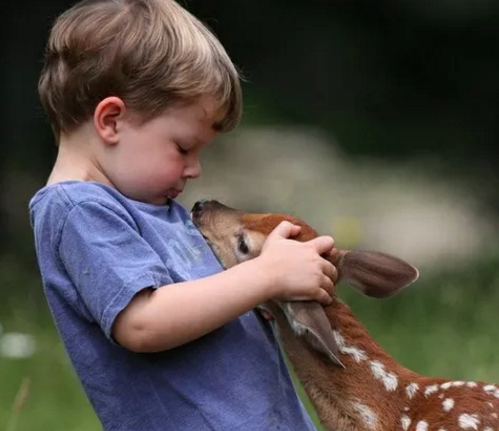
150, 53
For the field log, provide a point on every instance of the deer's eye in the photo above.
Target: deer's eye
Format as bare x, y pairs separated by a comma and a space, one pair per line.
242, 246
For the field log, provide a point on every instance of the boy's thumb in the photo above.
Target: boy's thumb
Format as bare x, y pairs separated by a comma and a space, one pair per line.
285, 229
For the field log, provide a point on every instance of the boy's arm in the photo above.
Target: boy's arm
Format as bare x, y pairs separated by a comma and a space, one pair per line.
164, 318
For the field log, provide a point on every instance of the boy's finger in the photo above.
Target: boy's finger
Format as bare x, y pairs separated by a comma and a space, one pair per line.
327, 285
330, 271
285, 229
323, 244
323, 296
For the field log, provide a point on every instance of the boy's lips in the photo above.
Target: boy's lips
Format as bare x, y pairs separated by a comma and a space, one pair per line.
173, 193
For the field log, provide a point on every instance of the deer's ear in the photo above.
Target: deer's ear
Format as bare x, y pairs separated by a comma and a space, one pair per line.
309, 321
375, 274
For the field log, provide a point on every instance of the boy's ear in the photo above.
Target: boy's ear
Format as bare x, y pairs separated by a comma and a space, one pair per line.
373, 273
106, 116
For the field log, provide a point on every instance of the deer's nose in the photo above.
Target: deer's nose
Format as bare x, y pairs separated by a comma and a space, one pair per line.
198, 206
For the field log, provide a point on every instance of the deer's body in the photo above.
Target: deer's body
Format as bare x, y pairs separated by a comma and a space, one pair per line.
374, 392
352, 382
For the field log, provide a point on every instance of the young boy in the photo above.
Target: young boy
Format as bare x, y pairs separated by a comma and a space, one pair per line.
160, 337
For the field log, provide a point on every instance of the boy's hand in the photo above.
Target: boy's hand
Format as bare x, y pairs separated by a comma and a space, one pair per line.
297, 270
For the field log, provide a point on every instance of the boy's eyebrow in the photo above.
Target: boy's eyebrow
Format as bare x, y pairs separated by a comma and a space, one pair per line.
197, 142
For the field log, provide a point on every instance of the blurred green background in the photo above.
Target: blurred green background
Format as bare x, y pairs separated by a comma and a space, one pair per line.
374, 120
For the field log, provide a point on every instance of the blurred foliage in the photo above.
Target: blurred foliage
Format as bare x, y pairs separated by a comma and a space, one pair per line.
391, 79
386, 77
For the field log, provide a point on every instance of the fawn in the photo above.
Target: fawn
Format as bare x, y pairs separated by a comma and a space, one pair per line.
352, 382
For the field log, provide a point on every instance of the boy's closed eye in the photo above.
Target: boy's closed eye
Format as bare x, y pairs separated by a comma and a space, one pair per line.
182, 150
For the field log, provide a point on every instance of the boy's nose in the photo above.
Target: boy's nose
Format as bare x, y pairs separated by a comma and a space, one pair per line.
193, 170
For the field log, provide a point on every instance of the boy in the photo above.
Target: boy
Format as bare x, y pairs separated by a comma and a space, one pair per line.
160, 337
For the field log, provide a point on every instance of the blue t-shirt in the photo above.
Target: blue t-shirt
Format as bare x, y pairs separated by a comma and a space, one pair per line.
96, 249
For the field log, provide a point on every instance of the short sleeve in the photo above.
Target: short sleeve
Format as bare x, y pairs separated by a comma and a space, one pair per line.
108, 260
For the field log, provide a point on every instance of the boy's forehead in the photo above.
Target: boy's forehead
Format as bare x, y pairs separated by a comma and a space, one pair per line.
204, 109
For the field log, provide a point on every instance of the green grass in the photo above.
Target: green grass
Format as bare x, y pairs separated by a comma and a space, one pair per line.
444, 325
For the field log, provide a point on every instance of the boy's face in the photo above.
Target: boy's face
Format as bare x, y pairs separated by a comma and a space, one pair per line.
152, 162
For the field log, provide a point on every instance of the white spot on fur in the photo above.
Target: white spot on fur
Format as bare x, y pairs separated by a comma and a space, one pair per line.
422, 426
406, 409
367, 414
457, 384
491, 405
442, 429
448, 404
411, 390
488, 429
357, 354
494, 415
378, 369
431, 390
340, 341
441, 396
467, 421
389, 380
405, 421
489, 388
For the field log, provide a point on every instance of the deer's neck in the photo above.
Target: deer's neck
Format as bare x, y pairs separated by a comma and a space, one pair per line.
373, 391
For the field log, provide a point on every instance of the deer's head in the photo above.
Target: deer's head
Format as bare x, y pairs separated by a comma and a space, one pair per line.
236, 236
